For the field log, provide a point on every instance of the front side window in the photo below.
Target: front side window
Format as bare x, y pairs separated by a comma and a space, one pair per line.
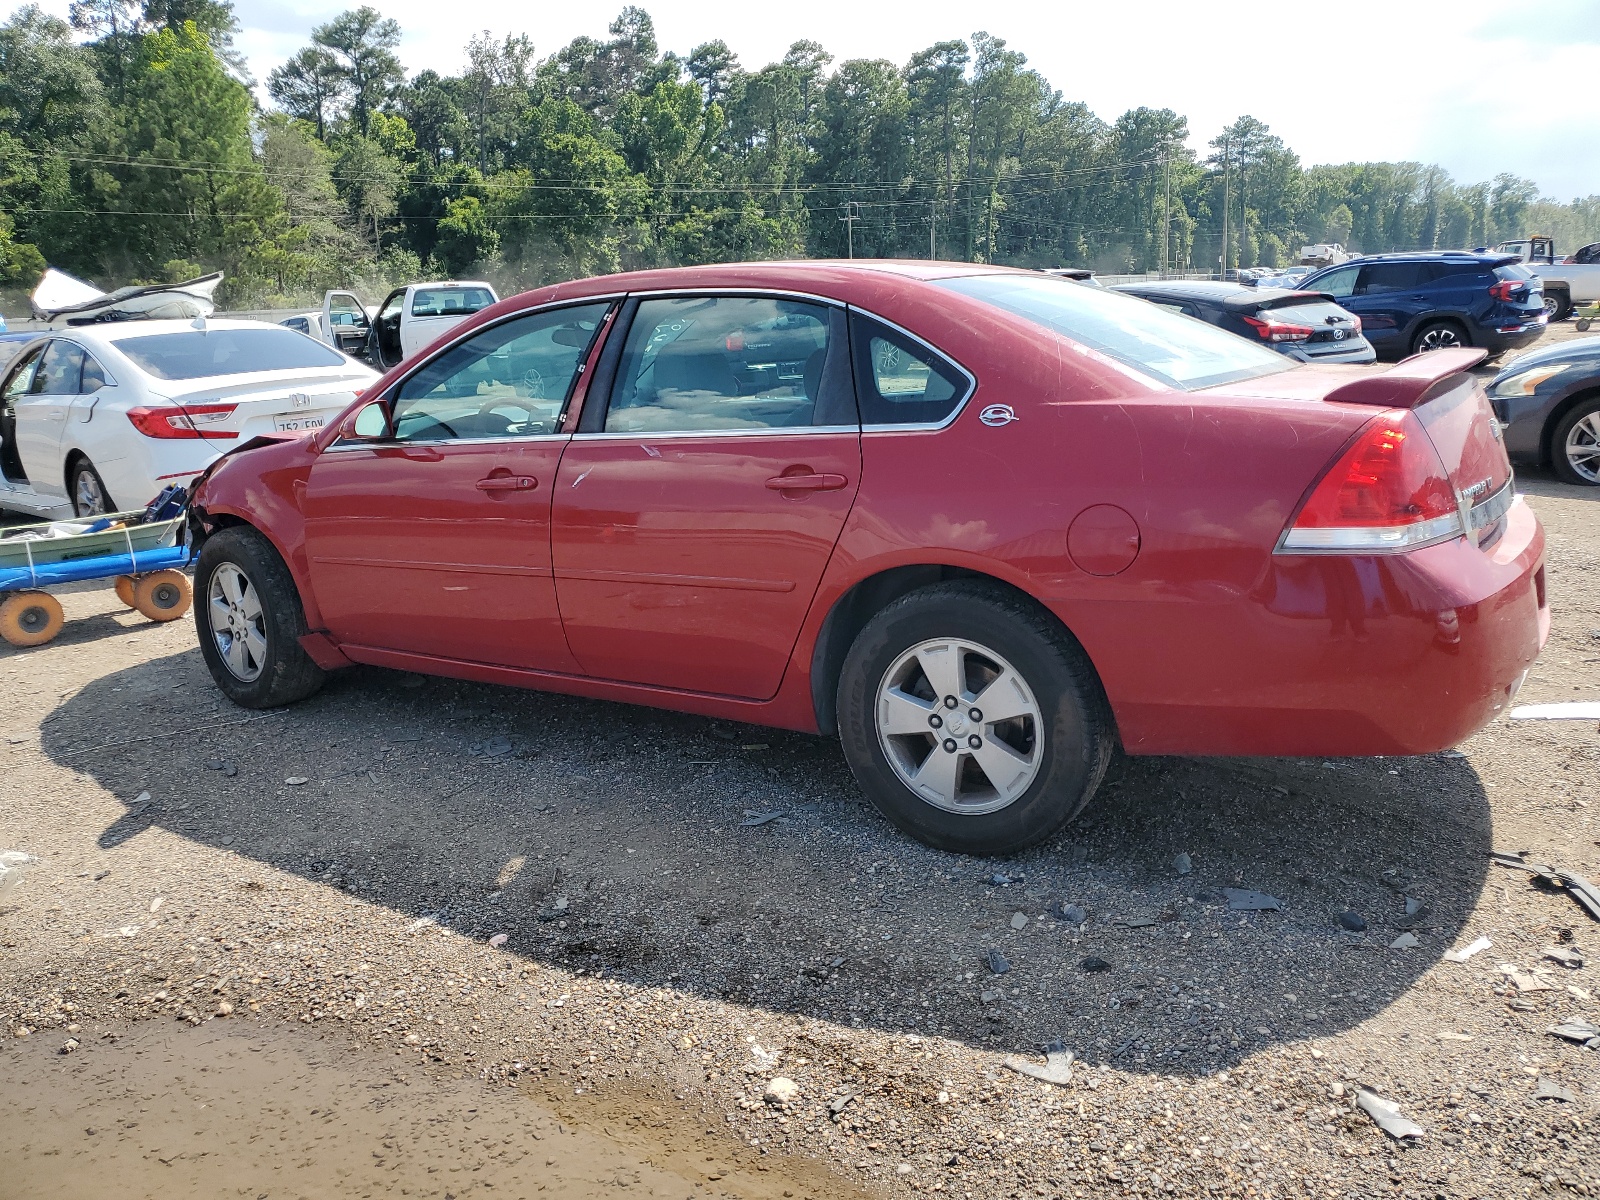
60, 371
899, 381
511, 380
1338, 283
1170, 349
201, 353
721, 363
450, 301
21, 381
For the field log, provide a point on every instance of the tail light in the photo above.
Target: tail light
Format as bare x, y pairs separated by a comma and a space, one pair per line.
184, 421
1270, 330
1387, 491
1357, 321
1506, 290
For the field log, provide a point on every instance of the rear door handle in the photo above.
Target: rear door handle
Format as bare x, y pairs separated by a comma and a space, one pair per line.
508, 483
806, 483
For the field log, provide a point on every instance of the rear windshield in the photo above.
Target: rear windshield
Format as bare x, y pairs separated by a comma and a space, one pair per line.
450, 301
1308, 310
1173, 349
1513, 271
198, 353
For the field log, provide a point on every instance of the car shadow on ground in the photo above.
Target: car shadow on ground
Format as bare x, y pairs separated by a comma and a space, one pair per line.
743, 863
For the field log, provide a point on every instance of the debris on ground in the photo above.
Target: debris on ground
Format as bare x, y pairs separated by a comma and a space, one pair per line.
1549, 1089
839, 1103
499, 939
1578, 1029
555, 910
781, 1091
1555, 878
296, 780
1567, 956
1524, 981
997, 963
498, 746
1475, 947
1135, 922
1057, 1068
1072, 914
1095, 964
1246, 900
1352, 921
1574, 710
1387, 1115
999, 880
1414, 906
753, 818
1182, 864
1019, 920
14, 864
1406, 941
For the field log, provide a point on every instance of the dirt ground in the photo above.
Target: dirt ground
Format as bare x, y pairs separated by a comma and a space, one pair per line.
261, 953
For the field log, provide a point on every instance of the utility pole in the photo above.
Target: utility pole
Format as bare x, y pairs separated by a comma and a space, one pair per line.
1166, 209
850, 218
1227, 205
933, 222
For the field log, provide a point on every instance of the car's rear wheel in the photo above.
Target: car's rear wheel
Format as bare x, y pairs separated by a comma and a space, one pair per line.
1575, 444
1557, 306
1439, 335
250, 622
972, 719
88, 490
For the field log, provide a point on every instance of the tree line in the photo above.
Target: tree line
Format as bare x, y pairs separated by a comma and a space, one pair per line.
132, 148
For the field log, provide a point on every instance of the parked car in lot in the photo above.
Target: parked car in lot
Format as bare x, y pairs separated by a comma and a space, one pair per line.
982, 523
1288, 277
1549, 403
1409, 303
1569, 280
409, 318
1307, 326
98, 418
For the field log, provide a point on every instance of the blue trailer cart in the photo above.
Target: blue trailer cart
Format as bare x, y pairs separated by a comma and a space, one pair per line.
144, 557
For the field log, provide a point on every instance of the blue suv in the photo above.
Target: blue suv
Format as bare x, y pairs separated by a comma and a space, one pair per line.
1409, 303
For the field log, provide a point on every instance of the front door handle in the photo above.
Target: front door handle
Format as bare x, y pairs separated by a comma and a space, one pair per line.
806, 483
508, 483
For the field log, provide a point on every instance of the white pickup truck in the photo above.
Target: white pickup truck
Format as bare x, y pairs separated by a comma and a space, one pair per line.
1568, 282
409, 318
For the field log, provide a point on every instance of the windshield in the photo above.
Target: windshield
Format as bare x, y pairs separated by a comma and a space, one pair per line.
196, 354
1175, 350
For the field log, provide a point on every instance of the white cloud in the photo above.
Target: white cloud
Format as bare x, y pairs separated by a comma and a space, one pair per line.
1464, 84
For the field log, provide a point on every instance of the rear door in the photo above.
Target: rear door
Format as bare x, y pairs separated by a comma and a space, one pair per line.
695, 512
41, 415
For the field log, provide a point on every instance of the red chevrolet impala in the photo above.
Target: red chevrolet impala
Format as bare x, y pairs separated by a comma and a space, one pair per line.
984, 524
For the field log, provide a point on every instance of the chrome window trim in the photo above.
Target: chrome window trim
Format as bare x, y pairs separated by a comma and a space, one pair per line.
676, 434
690, 293
341, 446
923, 426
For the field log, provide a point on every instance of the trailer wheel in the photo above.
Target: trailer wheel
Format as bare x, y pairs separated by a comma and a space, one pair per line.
124, 585
30, 618
162, 596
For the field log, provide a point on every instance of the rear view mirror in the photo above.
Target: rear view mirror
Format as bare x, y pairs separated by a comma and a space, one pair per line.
371, 422
575, 336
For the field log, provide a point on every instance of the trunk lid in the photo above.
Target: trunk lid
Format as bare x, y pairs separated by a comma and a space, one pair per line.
246, 406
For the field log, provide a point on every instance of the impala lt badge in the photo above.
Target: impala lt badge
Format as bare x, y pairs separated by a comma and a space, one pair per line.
1474, 490
998, 414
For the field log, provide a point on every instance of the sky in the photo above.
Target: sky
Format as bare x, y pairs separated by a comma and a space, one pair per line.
1466, 84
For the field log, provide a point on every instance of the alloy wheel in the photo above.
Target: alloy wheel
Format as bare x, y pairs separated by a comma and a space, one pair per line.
959, 726
87, 498
1583, 447
238, 624
1441, 337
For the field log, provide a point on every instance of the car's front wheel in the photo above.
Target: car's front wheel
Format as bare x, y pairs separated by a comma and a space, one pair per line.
972, 719
1575, 444
250, 621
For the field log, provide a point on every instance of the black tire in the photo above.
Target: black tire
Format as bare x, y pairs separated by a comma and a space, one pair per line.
84, 485
1560, 456
1558, 305
1439, 335
286, 672
1075, 733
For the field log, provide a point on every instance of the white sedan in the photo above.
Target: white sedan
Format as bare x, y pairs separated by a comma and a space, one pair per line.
100, 418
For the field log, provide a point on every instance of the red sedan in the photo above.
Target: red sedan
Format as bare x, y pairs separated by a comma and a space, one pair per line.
984, 524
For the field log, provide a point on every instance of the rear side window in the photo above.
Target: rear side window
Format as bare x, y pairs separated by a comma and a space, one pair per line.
450, 301
1393, 277
899, 381
199, 353
1170, 349
1514, 271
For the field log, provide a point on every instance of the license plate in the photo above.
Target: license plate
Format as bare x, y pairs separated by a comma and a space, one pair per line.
299, 424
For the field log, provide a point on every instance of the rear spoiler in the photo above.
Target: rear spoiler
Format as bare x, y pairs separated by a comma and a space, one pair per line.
1409, 383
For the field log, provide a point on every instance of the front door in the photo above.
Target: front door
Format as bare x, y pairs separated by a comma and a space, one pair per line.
18, 383
436, 538
694, 518
344, 321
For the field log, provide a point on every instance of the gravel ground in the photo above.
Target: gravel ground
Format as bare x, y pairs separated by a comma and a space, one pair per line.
342, 872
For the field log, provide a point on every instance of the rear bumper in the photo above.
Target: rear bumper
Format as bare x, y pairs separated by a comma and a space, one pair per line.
1339, 656
1501, 336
